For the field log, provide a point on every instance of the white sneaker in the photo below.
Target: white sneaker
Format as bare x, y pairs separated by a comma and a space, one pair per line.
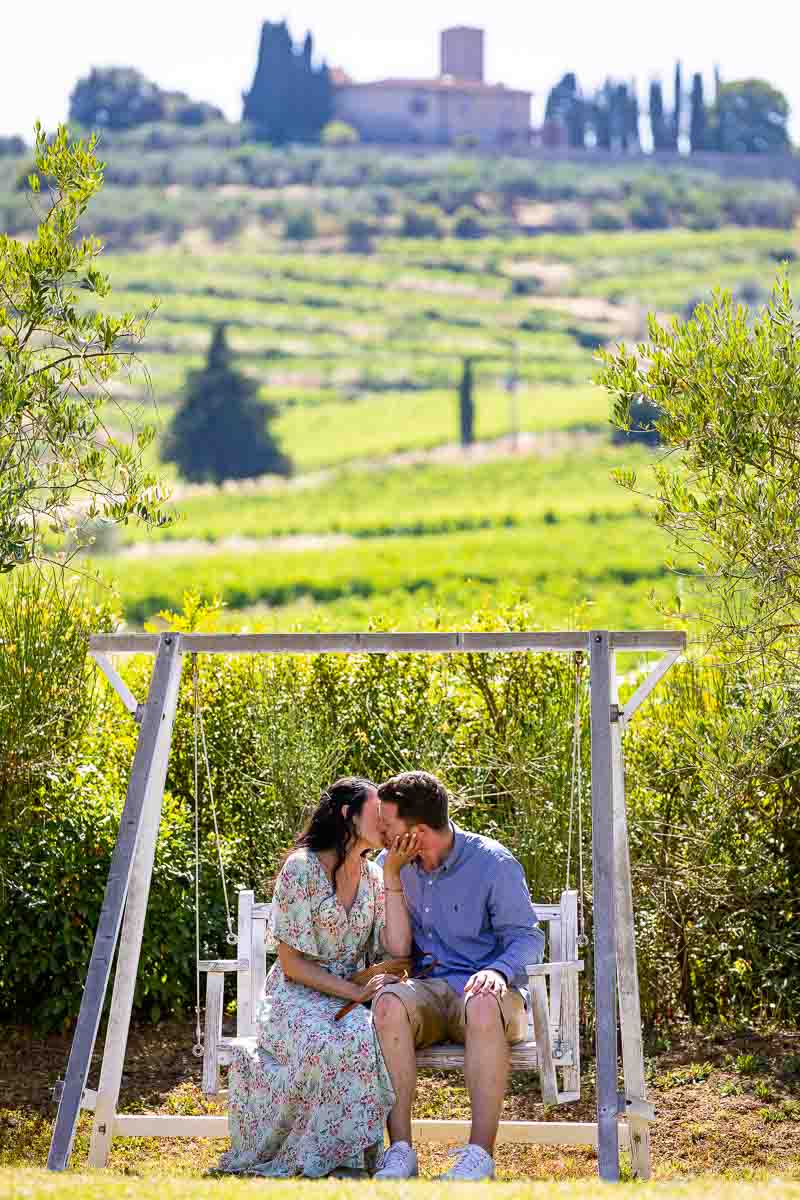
473, 1163
398, 1162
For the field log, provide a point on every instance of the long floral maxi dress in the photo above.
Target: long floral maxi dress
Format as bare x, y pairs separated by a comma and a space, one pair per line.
314, 1093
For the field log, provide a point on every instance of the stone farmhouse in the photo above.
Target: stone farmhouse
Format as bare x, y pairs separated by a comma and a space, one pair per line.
458, 106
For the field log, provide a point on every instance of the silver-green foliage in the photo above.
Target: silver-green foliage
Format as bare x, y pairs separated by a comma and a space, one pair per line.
727, 387
56, 358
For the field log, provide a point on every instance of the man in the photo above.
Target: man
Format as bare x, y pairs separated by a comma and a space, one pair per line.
471, 914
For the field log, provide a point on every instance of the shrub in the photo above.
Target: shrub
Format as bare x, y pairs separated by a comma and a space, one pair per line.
359, 233
339, 133
468, 224
47, 683
300, 226
610, 217
423, 221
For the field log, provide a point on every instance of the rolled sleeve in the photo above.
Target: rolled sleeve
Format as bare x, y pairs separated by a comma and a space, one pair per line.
521, 941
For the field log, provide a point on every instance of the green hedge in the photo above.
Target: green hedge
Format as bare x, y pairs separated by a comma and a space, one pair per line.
715, 849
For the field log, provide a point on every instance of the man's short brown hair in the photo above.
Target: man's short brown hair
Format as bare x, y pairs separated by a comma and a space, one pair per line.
420, 797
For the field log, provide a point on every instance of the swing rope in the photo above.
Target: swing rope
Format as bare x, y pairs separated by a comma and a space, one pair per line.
232, 939
575, 801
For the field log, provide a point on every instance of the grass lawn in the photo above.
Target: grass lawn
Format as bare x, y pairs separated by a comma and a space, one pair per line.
42, 1185
727, 1106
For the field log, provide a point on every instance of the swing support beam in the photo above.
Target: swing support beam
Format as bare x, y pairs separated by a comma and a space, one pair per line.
127, 889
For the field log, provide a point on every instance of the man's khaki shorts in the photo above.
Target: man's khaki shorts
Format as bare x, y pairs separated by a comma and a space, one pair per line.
439, 1014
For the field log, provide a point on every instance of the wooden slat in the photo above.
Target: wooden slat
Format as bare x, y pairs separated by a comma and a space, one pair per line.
244, 1005
554, 954
259, 971
627, 975
541, 1025
444, 1056
548, 1133
261, 911
570, 1013
554, 968
546, 912
215, 989
219, 966
382, 643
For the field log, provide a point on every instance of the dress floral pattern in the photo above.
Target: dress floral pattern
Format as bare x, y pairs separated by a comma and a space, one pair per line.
314, 1093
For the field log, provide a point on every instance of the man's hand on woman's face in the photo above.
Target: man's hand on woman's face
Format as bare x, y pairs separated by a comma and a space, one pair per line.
403, 850
487, 982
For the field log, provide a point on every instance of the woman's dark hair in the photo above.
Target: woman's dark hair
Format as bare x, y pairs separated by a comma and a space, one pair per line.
331, 828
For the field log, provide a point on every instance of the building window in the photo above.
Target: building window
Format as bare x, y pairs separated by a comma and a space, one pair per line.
418, 106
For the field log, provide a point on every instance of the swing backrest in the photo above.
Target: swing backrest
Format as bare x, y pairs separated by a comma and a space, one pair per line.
559, 923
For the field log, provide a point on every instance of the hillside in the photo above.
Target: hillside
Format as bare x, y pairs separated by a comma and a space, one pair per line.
357, 351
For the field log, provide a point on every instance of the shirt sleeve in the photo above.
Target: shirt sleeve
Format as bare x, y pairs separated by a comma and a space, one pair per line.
291, 919
521, 941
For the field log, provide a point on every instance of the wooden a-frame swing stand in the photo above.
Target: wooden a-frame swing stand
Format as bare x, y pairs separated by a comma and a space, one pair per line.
622, 1118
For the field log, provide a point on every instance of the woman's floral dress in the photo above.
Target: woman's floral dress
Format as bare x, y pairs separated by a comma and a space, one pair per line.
314, 1094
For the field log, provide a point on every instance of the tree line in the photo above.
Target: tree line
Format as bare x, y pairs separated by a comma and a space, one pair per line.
291, 100
747, 116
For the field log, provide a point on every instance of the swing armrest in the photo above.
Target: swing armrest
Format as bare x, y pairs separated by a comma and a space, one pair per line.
217, 966
549, 968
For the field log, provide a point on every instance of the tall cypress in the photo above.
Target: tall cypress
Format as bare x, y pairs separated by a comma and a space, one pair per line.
697, 115
466, 405
289, 100
676, 112
219, 431
658, 125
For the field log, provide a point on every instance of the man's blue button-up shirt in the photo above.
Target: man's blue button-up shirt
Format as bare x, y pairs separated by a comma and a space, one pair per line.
472, 913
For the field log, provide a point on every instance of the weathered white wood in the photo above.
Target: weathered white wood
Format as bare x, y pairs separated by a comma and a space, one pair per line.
135, 912
215, 989
627, 974
119, 685
383, 643
555, 968
545, 913
222, 966
648, 684
647, 639
244, 927
146, 779
602, 669
259, 972
555, 954
570, 1013
89, 1099
544, 1043
546, 1133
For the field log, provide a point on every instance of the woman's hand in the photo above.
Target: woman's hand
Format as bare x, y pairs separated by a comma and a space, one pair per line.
362, 995
403, 850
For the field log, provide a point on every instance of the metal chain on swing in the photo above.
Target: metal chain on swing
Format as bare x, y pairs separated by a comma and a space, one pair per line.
575, 801
231, 938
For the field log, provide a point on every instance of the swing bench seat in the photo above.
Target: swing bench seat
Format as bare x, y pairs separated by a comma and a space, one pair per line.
552, 1045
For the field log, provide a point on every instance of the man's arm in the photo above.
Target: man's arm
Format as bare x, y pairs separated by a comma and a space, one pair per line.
513, 921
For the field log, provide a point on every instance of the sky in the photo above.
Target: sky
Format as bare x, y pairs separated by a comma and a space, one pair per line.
209, 50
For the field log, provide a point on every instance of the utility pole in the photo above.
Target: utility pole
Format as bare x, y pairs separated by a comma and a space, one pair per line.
512, 387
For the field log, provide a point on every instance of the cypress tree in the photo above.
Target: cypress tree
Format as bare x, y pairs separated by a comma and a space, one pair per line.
676, 112
697, 115
220, 429
658, 125
466, 405
289, 100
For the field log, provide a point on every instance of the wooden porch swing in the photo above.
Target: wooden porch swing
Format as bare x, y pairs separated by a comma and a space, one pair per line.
552, 1046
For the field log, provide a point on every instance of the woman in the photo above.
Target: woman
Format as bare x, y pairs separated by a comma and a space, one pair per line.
314, 1095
